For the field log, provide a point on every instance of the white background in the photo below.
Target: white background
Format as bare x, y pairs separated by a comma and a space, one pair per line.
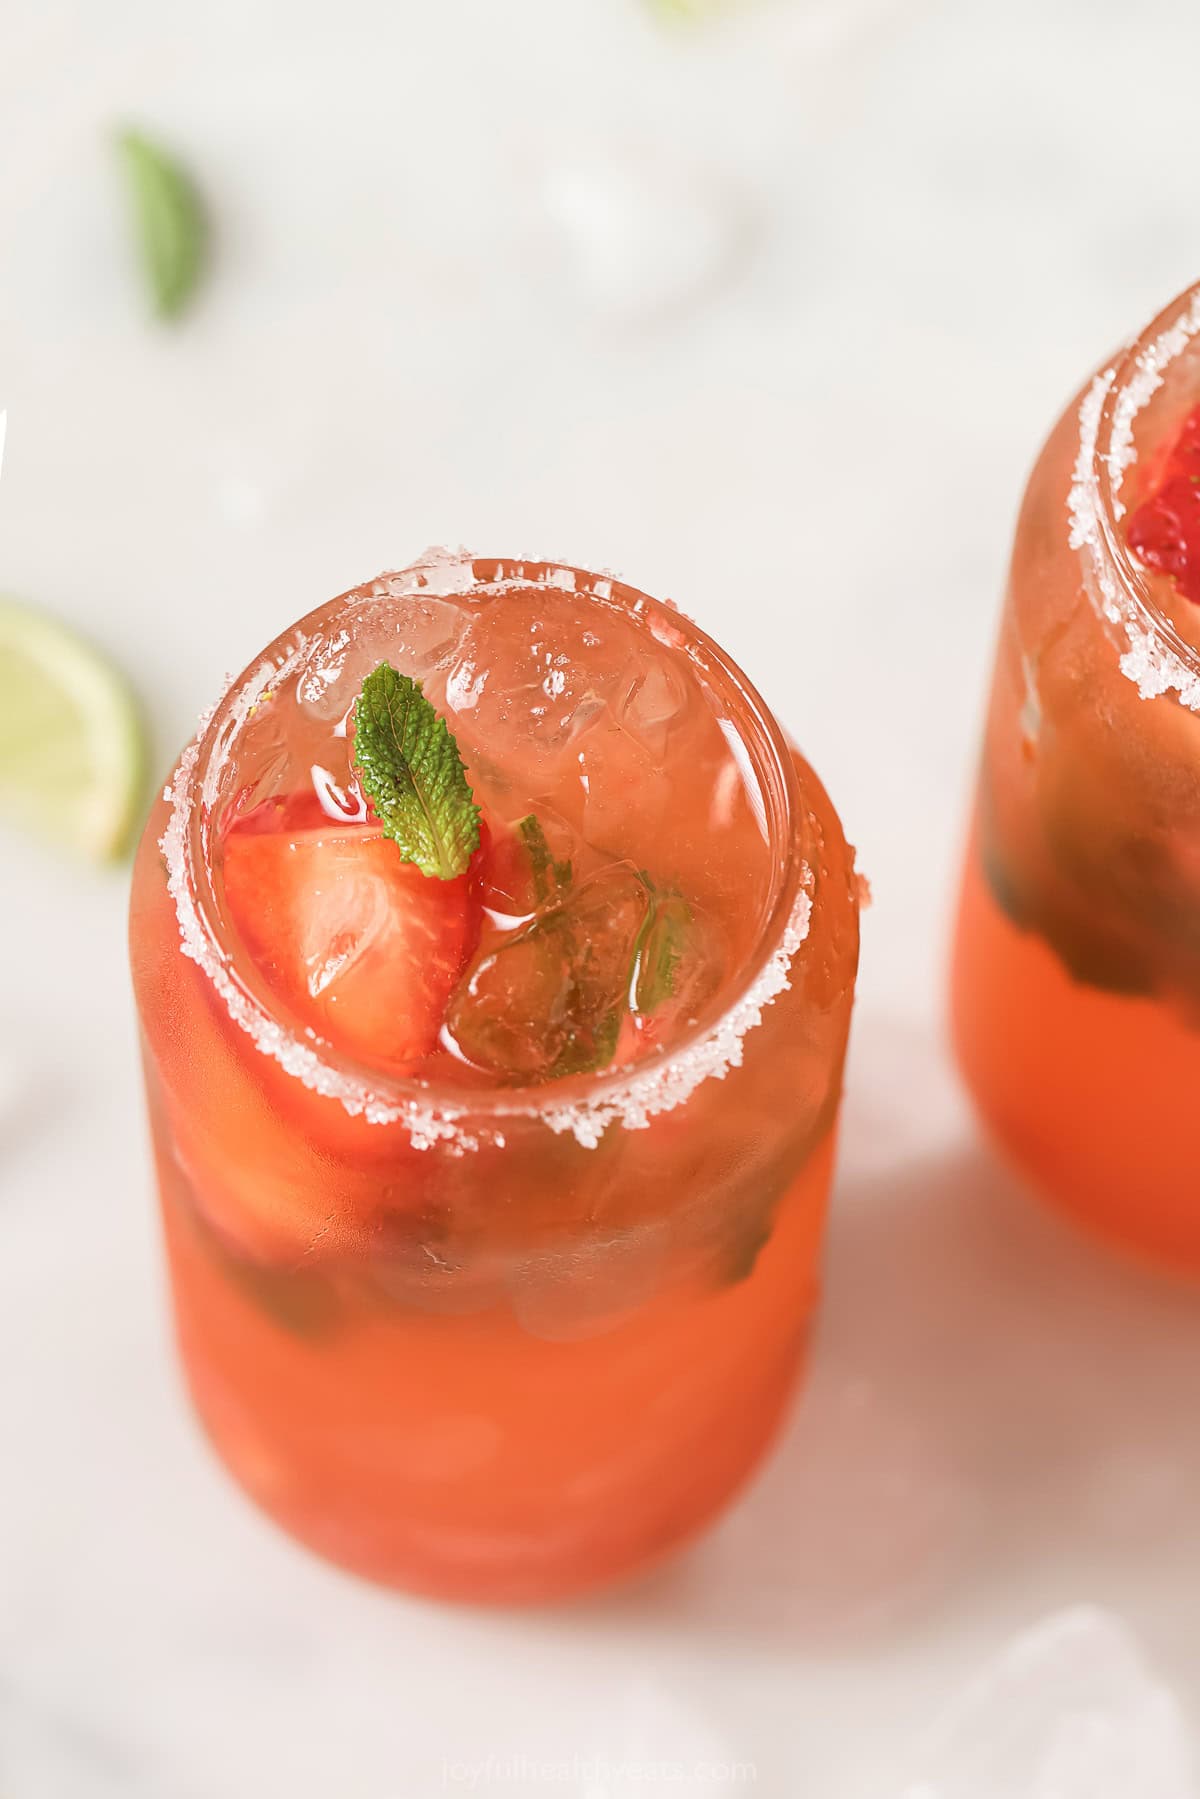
449, 306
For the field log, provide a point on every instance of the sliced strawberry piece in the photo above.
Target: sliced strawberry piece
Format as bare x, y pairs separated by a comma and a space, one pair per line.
360, 944
1164, 531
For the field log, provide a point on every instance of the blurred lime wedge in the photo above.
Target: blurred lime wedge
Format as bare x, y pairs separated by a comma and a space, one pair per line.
688, 12
72, 752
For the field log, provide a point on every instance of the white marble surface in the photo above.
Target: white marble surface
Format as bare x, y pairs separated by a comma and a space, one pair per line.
876, 257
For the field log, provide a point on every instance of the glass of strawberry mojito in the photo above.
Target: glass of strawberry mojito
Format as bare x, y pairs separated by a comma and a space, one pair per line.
494, 956
1076, 986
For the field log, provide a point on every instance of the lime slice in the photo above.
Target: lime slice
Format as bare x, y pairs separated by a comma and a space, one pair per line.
72, 752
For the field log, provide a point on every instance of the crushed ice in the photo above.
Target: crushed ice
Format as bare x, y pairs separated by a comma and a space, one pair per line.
642, 234
1070, 1709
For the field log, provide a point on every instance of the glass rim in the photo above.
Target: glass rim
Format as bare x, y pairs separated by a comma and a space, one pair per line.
1156, 658
440, 1112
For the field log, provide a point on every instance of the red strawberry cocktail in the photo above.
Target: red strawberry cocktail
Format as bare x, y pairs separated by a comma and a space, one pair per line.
1076, 990
494, 956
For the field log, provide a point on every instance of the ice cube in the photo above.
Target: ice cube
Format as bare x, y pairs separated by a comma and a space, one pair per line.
531, 703
419, 636
655, 1736
548, 703
551, 999
654, 698
639, 232
679, 965
428, 632
517, 696
1069, 1710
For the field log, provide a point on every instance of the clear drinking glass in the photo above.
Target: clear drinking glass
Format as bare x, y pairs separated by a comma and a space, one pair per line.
1076, 980
501, 1338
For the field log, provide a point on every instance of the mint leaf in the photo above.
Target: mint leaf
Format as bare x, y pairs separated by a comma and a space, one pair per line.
169, 219
588, 1052
549, 999
550, 878
410, 768
652, 978
661, 952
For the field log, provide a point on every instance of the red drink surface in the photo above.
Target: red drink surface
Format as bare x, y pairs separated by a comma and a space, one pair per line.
581, 714
474, 1302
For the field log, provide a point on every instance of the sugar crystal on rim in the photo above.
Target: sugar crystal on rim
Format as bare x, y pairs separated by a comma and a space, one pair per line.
1149, 661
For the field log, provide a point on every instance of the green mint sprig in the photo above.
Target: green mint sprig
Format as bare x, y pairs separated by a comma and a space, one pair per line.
653, 976
410, 769
655, 960
550, 878
169, 220
660, 950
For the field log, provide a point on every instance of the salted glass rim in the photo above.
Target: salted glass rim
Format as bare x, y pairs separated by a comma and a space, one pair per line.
439, 1112
1155, 657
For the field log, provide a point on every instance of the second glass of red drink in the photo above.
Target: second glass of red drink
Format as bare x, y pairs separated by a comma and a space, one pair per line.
1076, 989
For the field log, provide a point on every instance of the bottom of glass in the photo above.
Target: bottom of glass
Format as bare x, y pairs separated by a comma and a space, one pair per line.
473, 1571
1091, 1093
497, 1453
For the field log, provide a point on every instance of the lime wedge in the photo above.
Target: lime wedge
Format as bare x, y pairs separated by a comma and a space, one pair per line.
72, 751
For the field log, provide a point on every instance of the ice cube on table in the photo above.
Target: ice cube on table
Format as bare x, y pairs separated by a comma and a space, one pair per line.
639, 232
657, 1738
1069, 1709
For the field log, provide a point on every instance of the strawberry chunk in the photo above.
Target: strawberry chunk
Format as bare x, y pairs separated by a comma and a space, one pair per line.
359, 943
1164, 531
